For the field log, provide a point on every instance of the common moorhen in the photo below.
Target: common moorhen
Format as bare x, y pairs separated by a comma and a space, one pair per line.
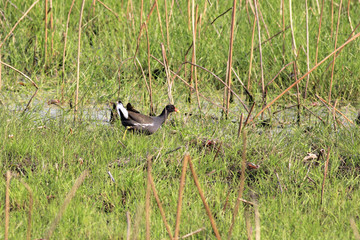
133, 119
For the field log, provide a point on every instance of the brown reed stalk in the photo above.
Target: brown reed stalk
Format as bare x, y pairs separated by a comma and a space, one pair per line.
325, 173
219, 79
226, 101
67, 200
167, 71
0, 70
189, 15
207, 208
143, 74
149, 71
354, 228
334, 115
311, 70
31, 202
334, 57
241, 187
147, 199
248, 224
249, 114
17, 23
7, 205
141, 11
297, 94
240, 125
343, 115
194, 70
78, 62
159, 18
46, 32
332, 18
257, 222
193, 233
181, 190
283, 27
93, 7
128, 222
108, 8
251, 54
292, 30
251, 98
318, 36
307, 47
64, 52
260, 52
52, 28
162, 212
142, 26
167, 25
348, 14
263, 21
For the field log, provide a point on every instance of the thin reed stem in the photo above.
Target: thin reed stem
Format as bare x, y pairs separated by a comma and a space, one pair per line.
251, 55
334, 57
194, 70
325, 173
307, 47
181, 190
147, 198
318, 36
78, 62
229, 62
46, 32
207, 208
7, 205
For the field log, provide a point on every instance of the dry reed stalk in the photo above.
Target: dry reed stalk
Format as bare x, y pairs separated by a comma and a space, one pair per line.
143, 74
282, 69
207, 208
189, 15
52, 28
113, 12
334, 115
325, 173
147, 199
64, 52
248, 225
251, 54
260, 52
348, 14
193, 60
137, 222
141, 11
219, 79
333, 63
226, 100
249, 114
314, 114
307, 47
354, 228
149, 71
67, 200
251, 98
297, 94
142, 26
193, 233
78, 62
128, 222
332, 18
292, 30
0, 71
263, 21
344, 116
311, 70
46, 32
283, 28
7, 205
257, 222
247, 202
31, 202
167, 25
17, 23
318, 36
93, 7
240, 125
159, 18
241, 186
162, 212
181, 190
168, 77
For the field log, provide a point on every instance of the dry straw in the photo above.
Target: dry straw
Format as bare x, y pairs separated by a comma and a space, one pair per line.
67, 200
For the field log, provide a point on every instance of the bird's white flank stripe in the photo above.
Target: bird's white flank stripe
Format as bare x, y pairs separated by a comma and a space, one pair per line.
143, 125
120, 107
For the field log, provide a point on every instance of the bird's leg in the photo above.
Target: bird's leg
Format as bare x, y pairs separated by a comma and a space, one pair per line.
127, 128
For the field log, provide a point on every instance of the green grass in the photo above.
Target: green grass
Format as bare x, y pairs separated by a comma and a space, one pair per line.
47, 150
